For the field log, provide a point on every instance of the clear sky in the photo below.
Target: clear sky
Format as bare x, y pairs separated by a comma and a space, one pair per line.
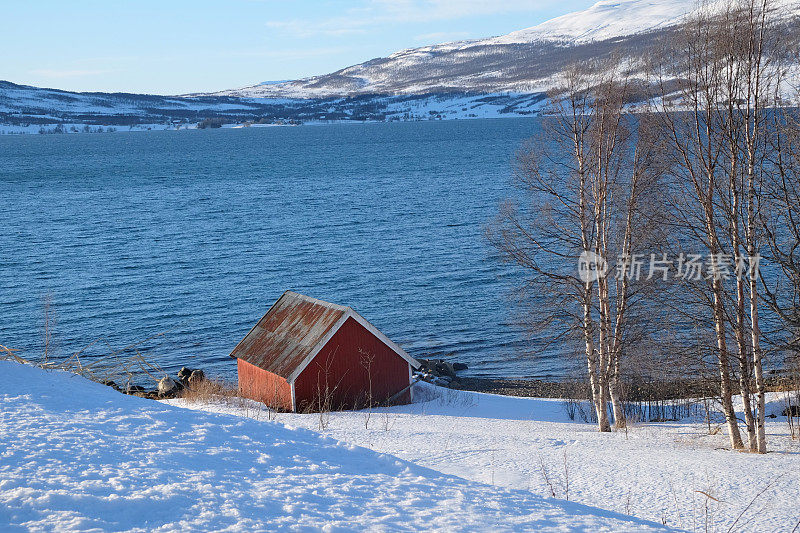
180, 46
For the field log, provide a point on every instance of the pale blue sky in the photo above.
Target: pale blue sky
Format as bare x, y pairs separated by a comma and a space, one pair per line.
179, 46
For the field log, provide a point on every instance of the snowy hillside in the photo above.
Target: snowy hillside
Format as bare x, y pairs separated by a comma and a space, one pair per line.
604, 20
75, 455
25, 109
528, 60
655, 471
26, 105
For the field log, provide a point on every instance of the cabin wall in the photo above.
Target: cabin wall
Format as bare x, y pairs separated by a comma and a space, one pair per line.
262, 386
352, 363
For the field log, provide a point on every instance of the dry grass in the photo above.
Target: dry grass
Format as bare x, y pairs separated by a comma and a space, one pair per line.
210, 390
9, 353
216, 392
121, 366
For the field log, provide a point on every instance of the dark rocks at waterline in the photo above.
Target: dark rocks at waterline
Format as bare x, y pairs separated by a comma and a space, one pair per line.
152, 395
188, 376
196, 377
184, 373
111, 384
523, 387
440, 372
166, 388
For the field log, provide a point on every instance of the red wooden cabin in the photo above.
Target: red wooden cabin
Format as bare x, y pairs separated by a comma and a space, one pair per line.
310, 355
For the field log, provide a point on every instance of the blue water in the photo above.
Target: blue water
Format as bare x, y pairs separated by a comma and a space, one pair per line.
198, 232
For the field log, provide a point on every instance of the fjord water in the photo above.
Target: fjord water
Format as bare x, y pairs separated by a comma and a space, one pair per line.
196, 233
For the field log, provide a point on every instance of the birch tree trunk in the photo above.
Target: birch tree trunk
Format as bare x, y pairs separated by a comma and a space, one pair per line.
579, 179
726, 391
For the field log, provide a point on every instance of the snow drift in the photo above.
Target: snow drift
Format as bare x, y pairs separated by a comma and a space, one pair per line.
77, 455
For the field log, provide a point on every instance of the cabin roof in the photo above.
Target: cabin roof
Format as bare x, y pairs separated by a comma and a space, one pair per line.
294, 330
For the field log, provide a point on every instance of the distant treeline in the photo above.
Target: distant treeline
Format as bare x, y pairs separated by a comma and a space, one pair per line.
216, 122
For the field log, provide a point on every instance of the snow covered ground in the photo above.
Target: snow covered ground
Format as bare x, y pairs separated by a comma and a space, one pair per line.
76, 455
658, 472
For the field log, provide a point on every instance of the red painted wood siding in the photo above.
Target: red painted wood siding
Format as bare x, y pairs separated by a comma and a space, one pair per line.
263, 386
343, 368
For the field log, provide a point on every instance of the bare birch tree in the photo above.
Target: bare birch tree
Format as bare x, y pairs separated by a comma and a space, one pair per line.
696, 151
728, 64
582, 180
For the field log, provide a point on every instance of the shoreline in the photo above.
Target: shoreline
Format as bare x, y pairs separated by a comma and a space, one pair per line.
521, 387
639, 391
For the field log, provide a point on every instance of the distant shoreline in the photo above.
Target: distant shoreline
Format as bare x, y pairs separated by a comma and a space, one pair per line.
76, 128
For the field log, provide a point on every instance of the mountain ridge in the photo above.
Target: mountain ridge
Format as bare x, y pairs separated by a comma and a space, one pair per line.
603, 21
502, 76
496, 64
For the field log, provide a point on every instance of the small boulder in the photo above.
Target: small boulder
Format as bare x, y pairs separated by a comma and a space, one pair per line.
184, 373
459, 367
167, 386
196, 377
110, 384
443, 368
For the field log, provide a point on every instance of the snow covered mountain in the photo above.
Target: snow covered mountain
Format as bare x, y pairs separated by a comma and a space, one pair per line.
605, 20
528, 60
522, 61
498, 76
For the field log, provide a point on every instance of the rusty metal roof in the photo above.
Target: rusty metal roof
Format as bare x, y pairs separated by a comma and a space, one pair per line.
288, 333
